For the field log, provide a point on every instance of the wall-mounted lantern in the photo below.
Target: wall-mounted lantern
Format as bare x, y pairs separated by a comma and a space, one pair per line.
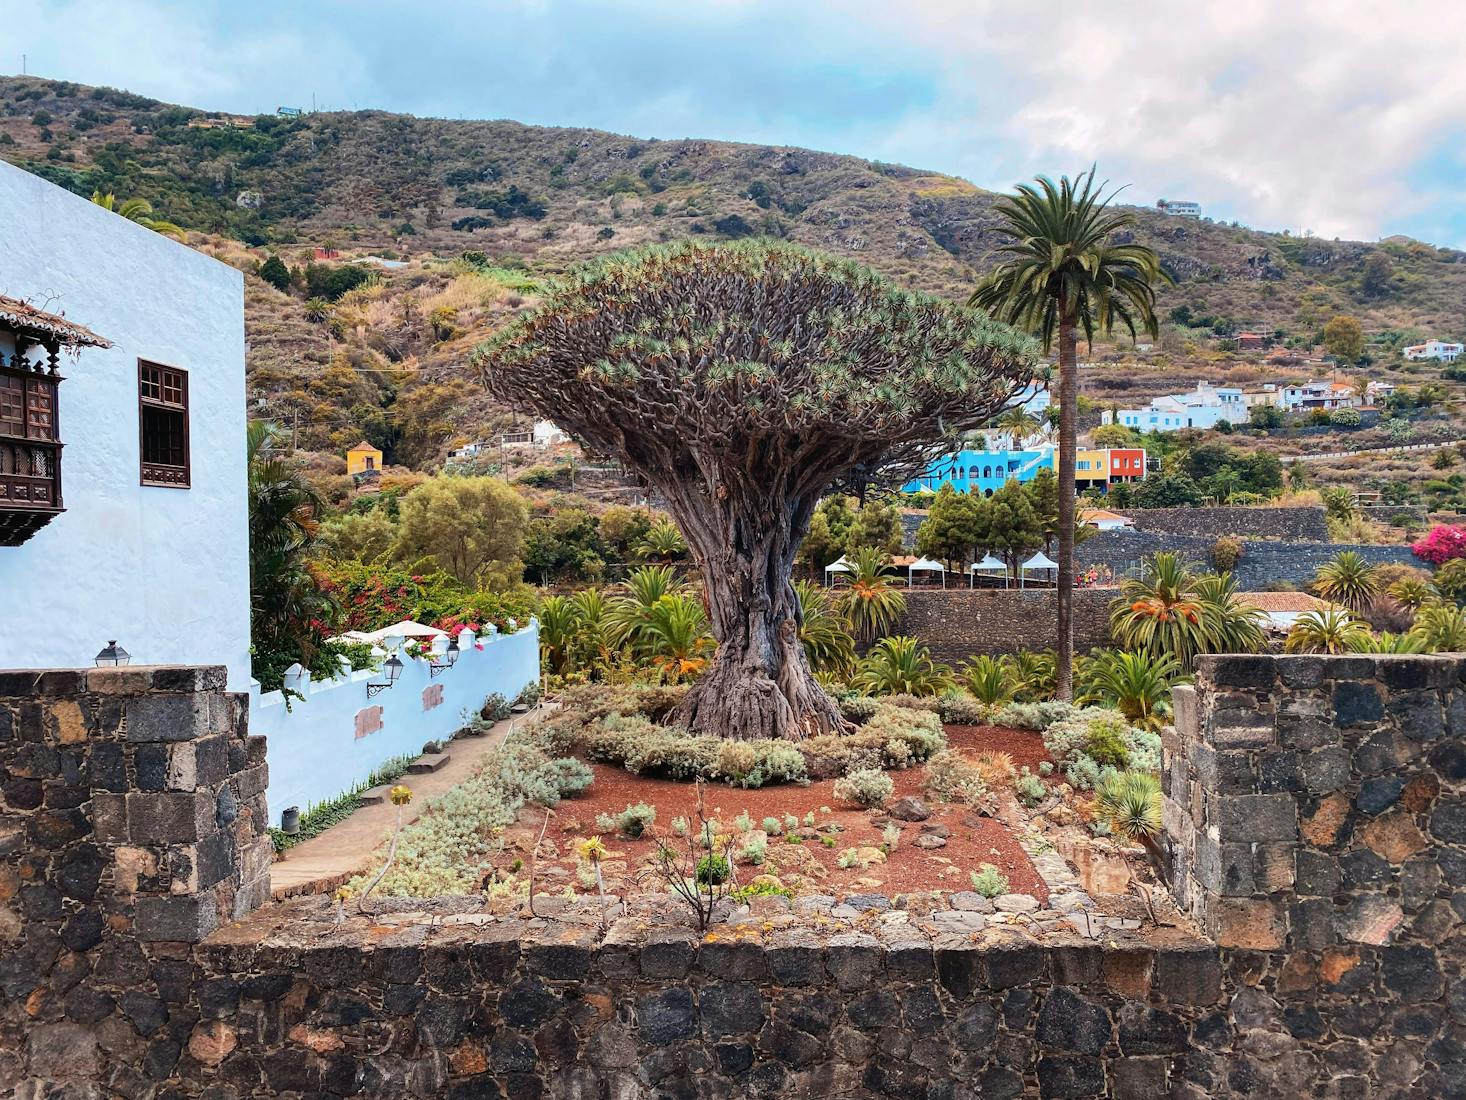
448, 660
112, 656
392, 670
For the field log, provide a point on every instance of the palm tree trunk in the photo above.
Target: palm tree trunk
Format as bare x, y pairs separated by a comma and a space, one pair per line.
1068, 402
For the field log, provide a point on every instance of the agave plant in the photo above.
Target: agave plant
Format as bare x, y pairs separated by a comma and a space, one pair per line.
1349, 580
987, 679
1031, 674
1330, 630
674, 638
828, 645
901, 665
1136, 684
662, 542
1441, 628
872, 603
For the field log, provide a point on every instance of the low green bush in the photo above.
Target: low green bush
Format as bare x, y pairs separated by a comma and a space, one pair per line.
867, 787
951, 777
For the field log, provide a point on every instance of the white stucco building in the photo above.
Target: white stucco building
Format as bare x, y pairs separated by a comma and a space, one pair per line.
1204, 407
135, 529
1435, 349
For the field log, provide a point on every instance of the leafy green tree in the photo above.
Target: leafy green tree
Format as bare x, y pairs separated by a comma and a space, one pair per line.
953, 527
740, 380
828, 534
622, 529
1265, 416
1043, 490
1343, 338
289, 610
274, 272
877, 525
1167, 490
566, 543
471, 527
1060, 275
1011, 528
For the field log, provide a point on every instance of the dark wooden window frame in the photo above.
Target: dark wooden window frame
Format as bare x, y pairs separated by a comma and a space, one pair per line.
164, 475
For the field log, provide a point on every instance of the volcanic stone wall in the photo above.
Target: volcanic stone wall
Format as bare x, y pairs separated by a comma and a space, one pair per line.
957, 623
1315, 809
1305, 524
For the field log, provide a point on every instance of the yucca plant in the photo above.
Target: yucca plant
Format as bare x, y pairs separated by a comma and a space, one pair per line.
1330, 630
1441, 628
1130, 804
901, 665
827, 643
1136, 684
871, 604
1348, 580
987, 679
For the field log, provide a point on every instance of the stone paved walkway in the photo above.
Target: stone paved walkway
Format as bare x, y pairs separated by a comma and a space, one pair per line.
324, 862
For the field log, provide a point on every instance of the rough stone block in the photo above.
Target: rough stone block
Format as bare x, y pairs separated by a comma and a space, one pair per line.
168, 717
1257, 817
1325, 770
1357, 703
1249, 923
169, 818
668, 955
185, 918
1300, 671
1239, 671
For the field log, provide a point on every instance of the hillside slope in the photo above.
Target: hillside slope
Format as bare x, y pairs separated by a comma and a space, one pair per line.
547, 197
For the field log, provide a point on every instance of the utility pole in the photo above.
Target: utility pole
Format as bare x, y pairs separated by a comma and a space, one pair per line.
295, 431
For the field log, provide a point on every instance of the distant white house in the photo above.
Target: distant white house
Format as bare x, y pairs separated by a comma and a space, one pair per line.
1179, 208
123, 508
1204, 407
1375, 392
1283, 609
1268, 394
1320, 394
1435, 349
546, 434
1104, 520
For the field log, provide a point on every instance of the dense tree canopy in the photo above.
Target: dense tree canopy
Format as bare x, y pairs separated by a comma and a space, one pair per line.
740, 380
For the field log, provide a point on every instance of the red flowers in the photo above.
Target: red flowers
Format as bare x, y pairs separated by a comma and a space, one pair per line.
1442, 544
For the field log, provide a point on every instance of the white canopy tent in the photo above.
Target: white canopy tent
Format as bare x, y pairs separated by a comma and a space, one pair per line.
399, 631
835, 568
988, 564
925, 565
1038, 561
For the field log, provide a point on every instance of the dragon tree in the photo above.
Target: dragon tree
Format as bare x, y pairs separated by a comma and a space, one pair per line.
739, 380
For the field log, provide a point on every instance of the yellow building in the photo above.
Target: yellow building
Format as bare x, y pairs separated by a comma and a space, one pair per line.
363, 458
1091, 466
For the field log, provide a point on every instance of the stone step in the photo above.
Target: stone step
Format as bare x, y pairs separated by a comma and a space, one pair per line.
376, 796
471, 731
520, 708
428, 762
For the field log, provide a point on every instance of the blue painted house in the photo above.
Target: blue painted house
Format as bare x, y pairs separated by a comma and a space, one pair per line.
982, 472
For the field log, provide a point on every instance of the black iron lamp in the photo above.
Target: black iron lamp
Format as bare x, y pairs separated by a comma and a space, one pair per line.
448, 660
112, 656
393, 670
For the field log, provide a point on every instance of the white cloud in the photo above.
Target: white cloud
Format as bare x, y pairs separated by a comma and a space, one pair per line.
1309, 114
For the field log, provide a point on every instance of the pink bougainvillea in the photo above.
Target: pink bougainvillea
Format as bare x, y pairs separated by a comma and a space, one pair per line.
1444, 543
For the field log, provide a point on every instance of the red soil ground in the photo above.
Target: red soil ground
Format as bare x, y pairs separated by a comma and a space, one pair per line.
973, 841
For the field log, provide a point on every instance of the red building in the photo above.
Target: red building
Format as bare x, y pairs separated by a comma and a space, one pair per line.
1127, 464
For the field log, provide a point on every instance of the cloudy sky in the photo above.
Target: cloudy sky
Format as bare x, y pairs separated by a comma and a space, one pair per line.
1344, 117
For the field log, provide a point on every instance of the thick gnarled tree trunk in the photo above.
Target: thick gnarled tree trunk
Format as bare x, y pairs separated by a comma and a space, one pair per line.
744, 535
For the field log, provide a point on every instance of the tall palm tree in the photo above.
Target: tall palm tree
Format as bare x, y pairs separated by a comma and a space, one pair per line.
140, 211
1060, 275
872, 603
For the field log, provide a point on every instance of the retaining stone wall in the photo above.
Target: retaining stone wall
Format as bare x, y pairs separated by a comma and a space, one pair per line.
1263, 563
958, 623
1317, 810
1290, 524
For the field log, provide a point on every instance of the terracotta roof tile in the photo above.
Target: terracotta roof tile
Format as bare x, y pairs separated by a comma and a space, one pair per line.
26, 317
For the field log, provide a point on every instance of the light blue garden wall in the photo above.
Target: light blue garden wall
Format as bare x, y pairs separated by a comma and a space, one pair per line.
328, 742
